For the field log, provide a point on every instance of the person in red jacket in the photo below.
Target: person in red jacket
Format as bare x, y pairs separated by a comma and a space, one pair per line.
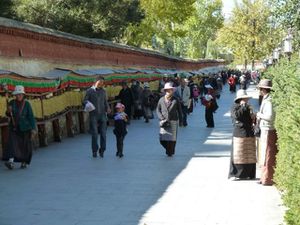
232, 84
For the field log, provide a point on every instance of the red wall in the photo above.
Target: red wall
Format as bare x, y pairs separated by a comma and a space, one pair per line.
27, 44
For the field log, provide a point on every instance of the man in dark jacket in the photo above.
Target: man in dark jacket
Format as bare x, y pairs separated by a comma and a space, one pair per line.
96, 95
126, 98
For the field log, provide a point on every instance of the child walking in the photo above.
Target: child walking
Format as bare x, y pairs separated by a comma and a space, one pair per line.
120, 130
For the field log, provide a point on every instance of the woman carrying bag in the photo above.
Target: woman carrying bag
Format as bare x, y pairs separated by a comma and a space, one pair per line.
169, 114
21, 130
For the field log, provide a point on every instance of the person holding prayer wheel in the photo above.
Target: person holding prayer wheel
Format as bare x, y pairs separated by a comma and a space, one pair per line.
22, 128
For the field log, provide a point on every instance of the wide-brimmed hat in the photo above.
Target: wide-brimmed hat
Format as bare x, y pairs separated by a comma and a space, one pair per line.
186, 80
208, 86
241, 94
19, 89
120, 106
168, 86
265, 83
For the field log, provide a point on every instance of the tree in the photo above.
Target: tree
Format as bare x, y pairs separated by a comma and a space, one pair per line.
203, 26
287, 15
250, 34
163, 22
97, 19
181, 28
6, 8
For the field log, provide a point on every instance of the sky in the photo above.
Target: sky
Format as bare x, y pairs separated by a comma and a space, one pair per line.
228, 5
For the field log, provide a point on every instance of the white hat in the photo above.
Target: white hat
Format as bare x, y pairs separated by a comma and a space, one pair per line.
146, 85
265, 83
241, 94
208, 97
208, 86
168, 86
186, 80
19, 89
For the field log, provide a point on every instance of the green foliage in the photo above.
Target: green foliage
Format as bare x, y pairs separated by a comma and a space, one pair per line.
181, 28
287, 14
98, 19
202, 27
286, 98
6, 8
250, 34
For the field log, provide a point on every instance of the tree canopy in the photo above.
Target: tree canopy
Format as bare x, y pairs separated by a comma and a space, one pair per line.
250, 34
98, 19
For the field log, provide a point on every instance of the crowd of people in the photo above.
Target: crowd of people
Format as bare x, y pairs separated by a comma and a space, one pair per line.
174, 101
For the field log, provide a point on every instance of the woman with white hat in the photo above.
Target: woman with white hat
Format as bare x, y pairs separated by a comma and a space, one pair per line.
268, 136
243, 155
21, 130
169, 113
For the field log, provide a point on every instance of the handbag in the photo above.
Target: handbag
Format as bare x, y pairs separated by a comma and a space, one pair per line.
256, 130
164, 123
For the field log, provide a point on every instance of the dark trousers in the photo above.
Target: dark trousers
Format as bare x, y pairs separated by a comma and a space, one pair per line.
120, 143
209, 117
19, 146
169, 146
185, 111
232, 88
128, 110
98, 125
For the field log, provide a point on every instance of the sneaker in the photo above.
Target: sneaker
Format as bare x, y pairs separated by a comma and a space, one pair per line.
9, 165
94, 154
121, 155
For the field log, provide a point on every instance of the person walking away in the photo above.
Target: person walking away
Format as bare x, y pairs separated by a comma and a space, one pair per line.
183, 94
22, 128
210, 103
243, 82
96, 95
243, 154
136, 91
126, 97
232, 84
191, 102
169, 114
195, 93
268, 137
120, 129
147, 101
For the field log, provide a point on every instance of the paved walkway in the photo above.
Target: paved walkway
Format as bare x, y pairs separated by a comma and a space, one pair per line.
65, 186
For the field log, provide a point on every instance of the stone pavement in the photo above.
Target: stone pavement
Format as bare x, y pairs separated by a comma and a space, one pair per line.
65, 186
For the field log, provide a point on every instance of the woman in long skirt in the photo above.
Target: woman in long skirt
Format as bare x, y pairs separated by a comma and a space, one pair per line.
170, 114
21, 129
243, 155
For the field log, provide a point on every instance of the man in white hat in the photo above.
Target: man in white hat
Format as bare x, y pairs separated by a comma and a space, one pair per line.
183, 93
268, 136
